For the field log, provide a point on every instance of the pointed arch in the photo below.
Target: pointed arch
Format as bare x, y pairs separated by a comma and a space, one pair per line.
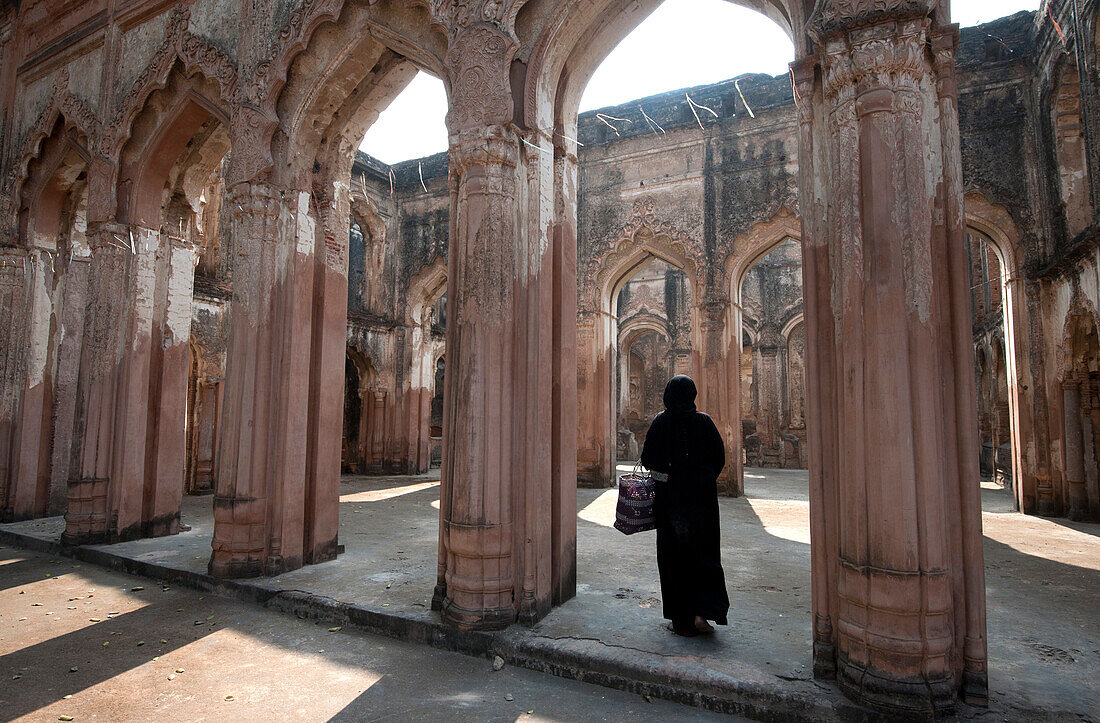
178, 48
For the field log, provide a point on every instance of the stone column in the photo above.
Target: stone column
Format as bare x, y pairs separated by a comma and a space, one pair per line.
564, 396
595, 399
247, 459
29, 495
479, 458
909, 614
1021, 395
768, 374
496, 533
822, 410
1090, 420
1077, 493
66, 383
86, 517
1043, 398
720, 387
171, 363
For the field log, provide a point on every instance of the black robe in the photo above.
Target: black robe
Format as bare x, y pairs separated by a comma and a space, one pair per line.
685, 445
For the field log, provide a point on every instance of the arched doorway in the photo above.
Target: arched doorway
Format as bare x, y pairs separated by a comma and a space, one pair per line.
50, 268
770, 302
871, 273
1080, 379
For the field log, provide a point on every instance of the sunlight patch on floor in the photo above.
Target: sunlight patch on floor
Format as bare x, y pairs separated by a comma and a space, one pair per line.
386, 494
601, 511
262, 669
776, 518
28, 606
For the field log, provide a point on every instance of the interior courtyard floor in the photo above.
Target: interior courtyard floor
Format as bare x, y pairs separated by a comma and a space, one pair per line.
1042, 577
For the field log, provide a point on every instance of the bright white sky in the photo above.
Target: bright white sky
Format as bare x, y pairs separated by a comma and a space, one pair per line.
683, 43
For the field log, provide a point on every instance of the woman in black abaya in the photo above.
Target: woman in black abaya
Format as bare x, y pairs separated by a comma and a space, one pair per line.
685, 450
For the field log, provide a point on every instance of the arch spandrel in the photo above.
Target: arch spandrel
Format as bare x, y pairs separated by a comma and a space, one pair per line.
762, 238
313, 87
643, 237
79, 121
179, 48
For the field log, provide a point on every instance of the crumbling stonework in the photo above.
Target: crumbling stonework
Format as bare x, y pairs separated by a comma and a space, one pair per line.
203, 279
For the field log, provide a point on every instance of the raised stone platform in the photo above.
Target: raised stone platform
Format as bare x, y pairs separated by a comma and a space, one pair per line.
1042, 576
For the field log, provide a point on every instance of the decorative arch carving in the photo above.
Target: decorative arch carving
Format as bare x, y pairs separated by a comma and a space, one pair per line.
641, 325
63, 106
195, 55
257, 119
643, 236
757, 242
424, 288
1080, 316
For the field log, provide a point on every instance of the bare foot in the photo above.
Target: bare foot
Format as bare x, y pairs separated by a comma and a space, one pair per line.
702, 625
688, 632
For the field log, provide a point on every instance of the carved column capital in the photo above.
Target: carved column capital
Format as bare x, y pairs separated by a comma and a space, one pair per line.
831, 17
108, 236
252, 200
486, 146
478, 63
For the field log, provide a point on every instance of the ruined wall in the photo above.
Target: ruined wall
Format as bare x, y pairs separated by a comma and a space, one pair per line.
695, 184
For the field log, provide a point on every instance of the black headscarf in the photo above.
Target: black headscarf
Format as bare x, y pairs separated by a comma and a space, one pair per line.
679, 400
680, 396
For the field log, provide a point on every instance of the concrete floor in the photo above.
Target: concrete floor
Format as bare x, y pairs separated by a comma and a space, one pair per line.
1042, 578
81, 641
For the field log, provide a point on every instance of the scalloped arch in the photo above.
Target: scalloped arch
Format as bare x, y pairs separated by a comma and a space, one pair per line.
195, 57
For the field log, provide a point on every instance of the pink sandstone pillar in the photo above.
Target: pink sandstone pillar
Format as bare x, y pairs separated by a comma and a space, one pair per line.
903, 606
66, 382
245, 461
496, 539
86, 517
276, 506
595, 399
29, 494
821, 364
1077, 493
479, 459
171, 361
564, 397
720, 388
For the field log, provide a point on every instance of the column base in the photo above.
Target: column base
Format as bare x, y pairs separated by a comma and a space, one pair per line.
824, 660
466, 619
163, 526
75, 539
236, 566
86, 516
890, 695
530, 611
975, 688
324, 552
439, 595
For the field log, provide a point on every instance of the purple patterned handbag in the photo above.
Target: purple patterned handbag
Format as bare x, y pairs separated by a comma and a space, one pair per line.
634, 511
